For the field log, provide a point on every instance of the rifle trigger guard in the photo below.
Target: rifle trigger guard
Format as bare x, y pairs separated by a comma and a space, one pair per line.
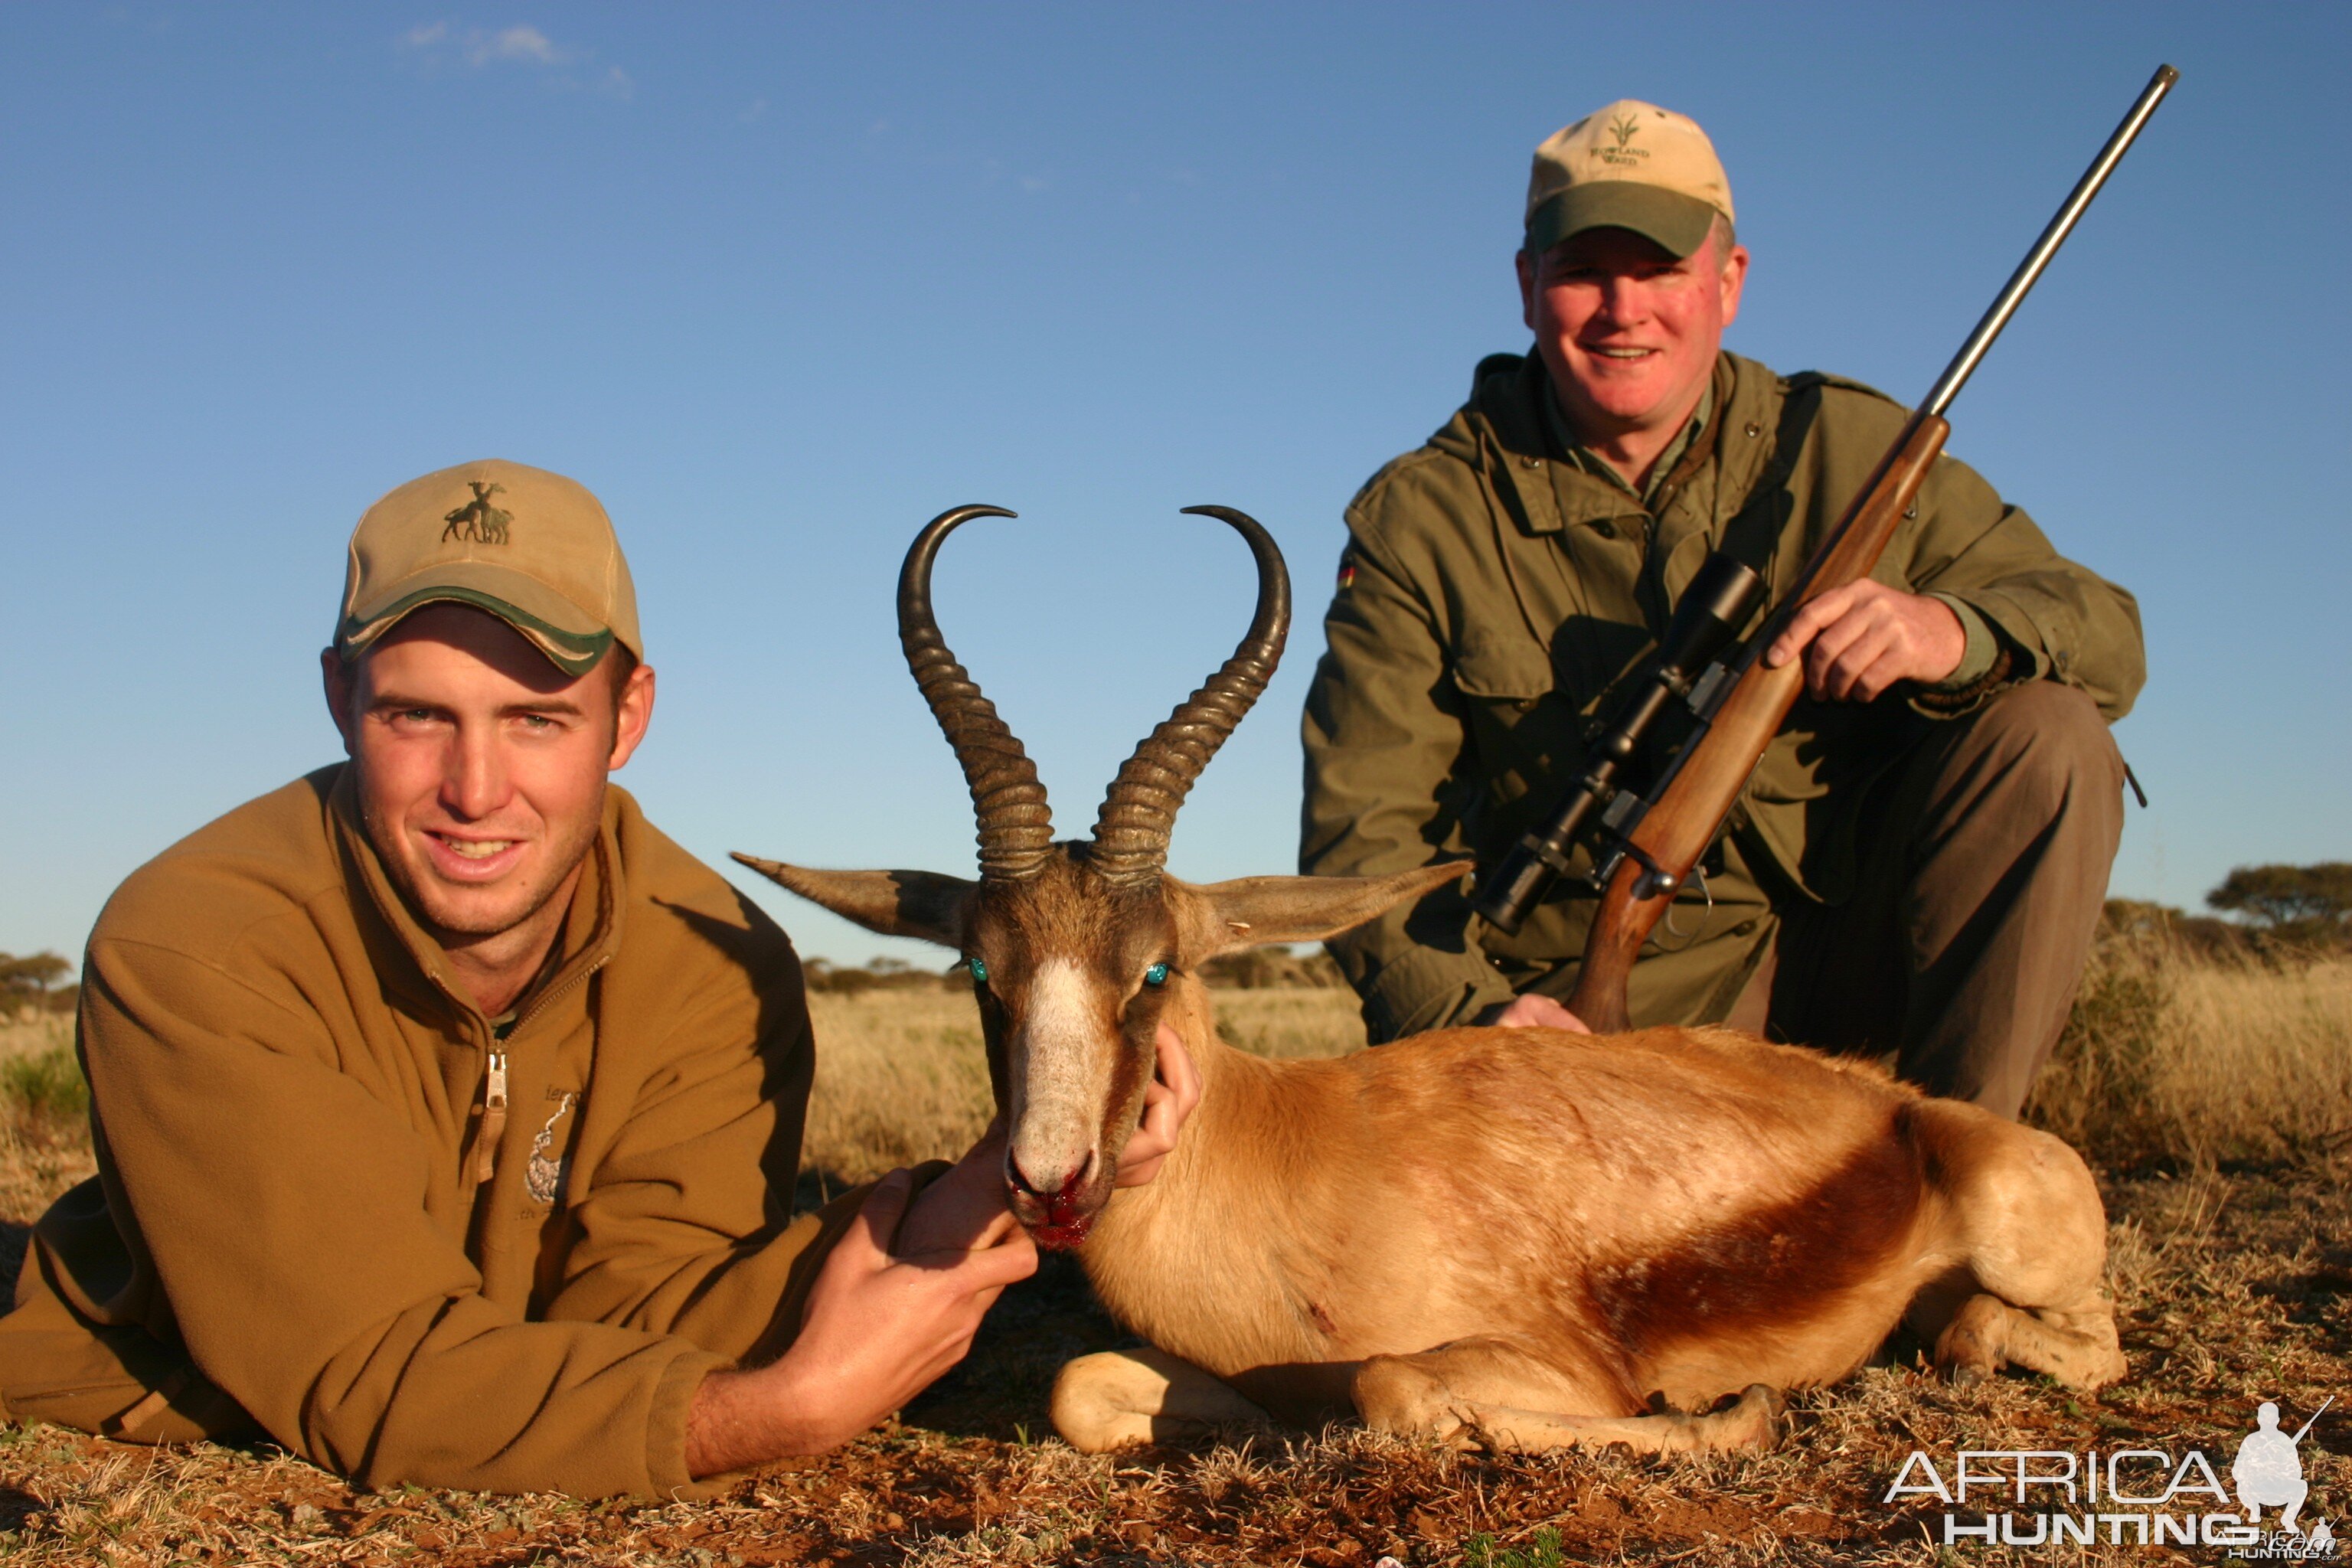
1705, 893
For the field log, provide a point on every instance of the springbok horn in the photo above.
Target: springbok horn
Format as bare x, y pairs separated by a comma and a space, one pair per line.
1016, 830
1140, 811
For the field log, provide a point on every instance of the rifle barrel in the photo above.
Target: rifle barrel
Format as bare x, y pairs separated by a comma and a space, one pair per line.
2314, 1418
1956, 374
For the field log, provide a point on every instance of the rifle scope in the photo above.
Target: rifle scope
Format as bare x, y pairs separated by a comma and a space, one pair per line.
1721, 596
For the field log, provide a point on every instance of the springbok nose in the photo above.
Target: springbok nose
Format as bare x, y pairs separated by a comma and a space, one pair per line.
1020, 1178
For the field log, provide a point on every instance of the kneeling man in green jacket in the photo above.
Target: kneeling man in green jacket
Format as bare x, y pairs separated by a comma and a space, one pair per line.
447, 1114
1917, 865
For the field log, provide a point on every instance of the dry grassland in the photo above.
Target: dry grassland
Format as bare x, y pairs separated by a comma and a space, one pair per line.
900, 1079
2216, 1101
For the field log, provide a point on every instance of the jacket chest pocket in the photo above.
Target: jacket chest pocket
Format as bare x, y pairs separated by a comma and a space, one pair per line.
1522, 732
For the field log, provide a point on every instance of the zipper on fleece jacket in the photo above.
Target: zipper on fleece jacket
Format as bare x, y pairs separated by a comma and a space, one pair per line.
493, 1125
494, 1118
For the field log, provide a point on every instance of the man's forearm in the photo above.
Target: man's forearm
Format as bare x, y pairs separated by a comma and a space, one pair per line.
740, 1419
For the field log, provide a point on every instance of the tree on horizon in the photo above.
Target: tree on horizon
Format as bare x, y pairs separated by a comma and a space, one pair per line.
2294, 903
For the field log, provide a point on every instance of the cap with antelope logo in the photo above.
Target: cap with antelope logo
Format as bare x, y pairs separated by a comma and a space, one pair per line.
1629, 166
533, 548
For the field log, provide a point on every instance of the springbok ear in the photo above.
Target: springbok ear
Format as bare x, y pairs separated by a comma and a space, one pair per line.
895, 903
1251, 910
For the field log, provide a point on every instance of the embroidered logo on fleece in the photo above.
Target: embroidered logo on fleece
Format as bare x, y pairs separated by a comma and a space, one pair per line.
545, 1177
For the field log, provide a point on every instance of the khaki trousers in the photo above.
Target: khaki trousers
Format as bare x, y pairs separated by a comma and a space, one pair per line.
1984, 864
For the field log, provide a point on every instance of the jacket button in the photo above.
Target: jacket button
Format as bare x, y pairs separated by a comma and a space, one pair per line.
1754, 429
1531, 462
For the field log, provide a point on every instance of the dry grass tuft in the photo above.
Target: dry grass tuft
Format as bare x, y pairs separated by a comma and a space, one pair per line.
44, 1127
2174, 1059
2214, 1094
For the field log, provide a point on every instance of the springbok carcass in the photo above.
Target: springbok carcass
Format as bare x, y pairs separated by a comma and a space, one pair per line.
1522, 1238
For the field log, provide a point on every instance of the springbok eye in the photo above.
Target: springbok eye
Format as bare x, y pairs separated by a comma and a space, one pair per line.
1157, 974
979, 968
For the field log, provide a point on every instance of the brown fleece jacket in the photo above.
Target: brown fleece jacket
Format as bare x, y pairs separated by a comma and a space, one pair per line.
307, 1219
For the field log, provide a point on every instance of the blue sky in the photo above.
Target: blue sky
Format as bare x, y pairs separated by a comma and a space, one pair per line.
779, 283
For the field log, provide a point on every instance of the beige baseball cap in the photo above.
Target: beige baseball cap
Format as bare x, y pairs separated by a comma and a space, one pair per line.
1629, 166
533, 548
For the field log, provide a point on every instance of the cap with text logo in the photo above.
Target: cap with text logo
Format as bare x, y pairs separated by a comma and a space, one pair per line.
533, 548
1631, 165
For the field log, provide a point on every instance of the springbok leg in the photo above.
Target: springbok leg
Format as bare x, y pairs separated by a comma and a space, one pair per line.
1118, 1398
2030, 1237
1491, 1392
2079, 1349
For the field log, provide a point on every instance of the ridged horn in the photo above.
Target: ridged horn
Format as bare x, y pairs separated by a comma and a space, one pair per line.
1130, 842
1016, 830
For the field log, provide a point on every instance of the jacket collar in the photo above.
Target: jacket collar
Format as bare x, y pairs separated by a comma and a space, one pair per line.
411, 961
1547, 492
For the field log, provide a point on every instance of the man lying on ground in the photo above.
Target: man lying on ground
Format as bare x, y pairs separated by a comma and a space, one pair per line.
447, 1114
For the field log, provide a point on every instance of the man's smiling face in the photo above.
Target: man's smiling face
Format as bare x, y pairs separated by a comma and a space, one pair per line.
1628, 331
480, 766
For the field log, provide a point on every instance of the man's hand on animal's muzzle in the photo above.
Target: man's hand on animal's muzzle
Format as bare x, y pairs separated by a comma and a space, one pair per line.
878, 1329
1168, 1101
1859, 641
964, 1210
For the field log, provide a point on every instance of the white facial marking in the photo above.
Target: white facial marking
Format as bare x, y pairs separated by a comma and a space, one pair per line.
1061, 1074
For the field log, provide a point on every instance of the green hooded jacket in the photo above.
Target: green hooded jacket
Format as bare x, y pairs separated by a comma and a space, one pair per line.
1493, 596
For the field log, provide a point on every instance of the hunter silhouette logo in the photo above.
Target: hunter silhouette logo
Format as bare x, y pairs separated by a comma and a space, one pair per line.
2268, 1470
1622, 128
478, 521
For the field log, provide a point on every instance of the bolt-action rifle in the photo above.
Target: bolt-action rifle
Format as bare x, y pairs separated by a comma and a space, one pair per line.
1643, 847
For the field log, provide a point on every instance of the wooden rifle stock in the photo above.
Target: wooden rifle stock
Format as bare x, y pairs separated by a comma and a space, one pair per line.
1681, 825
1705, 781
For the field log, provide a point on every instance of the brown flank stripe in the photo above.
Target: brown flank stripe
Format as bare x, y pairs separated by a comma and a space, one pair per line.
1776, 1266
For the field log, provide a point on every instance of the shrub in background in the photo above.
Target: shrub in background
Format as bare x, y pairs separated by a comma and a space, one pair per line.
45, 1086
826, 978
35, 984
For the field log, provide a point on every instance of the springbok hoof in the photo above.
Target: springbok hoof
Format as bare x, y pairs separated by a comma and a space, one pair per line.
1762, 1416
